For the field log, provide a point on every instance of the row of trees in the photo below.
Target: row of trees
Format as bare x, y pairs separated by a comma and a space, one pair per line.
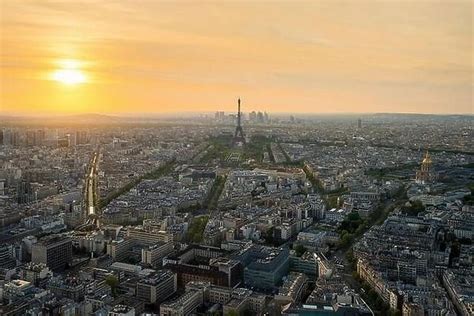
270, 152
196, 229
374, 300
469, 199
354, 226
316, 183
215, 192
154, 174
256, 147
351, 226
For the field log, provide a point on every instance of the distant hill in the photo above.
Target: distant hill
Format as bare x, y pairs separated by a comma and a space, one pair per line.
87, 118
423, 115
92, 117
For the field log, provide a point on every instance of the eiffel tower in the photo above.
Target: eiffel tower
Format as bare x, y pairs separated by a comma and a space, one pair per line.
239, 136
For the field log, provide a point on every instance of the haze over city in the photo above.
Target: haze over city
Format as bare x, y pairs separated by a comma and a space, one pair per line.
63, 57
235, 158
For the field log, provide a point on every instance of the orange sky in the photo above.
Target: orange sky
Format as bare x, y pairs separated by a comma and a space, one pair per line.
313, 56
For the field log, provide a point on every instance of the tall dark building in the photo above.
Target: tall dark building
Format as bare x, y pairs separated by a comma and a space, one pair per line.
6, 258
31, 138
11, 137
239, 137
24, 192
54, 251
253, 116
80, 138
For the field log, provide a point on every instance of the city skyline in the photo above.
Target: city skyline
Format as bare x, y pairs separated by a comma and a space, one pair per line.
345, 57
236, 157
363, 215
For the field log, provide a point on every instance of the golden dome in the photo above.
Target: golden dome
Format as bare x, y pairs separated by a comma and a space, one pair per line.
427, 159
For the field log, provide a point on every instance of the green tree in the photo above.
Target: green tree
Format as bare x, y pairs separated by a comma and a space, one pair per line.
269, 236
112, 281
196, 229
353, 216
414, 208
300, 250
346, 239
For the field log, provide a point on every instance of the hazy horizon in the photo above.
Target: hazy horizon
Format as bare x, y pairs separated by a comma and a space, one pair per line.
189, 114
164, 58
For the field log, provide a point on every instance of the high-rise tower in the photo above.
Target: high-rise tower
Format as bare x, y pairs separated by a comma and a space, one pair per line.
239, 137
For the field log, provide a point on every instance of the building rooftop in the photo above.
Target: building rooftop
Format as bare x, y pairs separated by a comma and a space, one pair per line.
122, 309
159, 277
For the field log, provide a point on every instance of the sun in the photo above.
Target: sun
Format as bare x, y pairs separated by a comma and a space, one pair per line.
69, 76
69, 73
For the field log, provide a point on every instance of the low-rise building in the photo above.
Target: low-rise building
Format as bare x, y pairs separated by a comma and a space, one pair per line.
183, 305
157, 288
292, 288
264, 266
153, 255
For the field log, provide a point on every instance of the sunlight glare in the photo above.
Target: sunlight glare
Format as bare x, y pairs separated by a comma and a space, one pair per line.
69, 72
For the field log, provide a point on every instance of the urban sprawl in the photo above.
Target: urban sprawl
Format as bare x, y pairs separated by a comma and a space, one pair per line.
238, 214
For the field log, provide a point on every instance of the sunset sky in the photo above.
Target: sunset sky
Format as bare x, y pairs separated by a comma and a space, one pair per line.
309, 56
